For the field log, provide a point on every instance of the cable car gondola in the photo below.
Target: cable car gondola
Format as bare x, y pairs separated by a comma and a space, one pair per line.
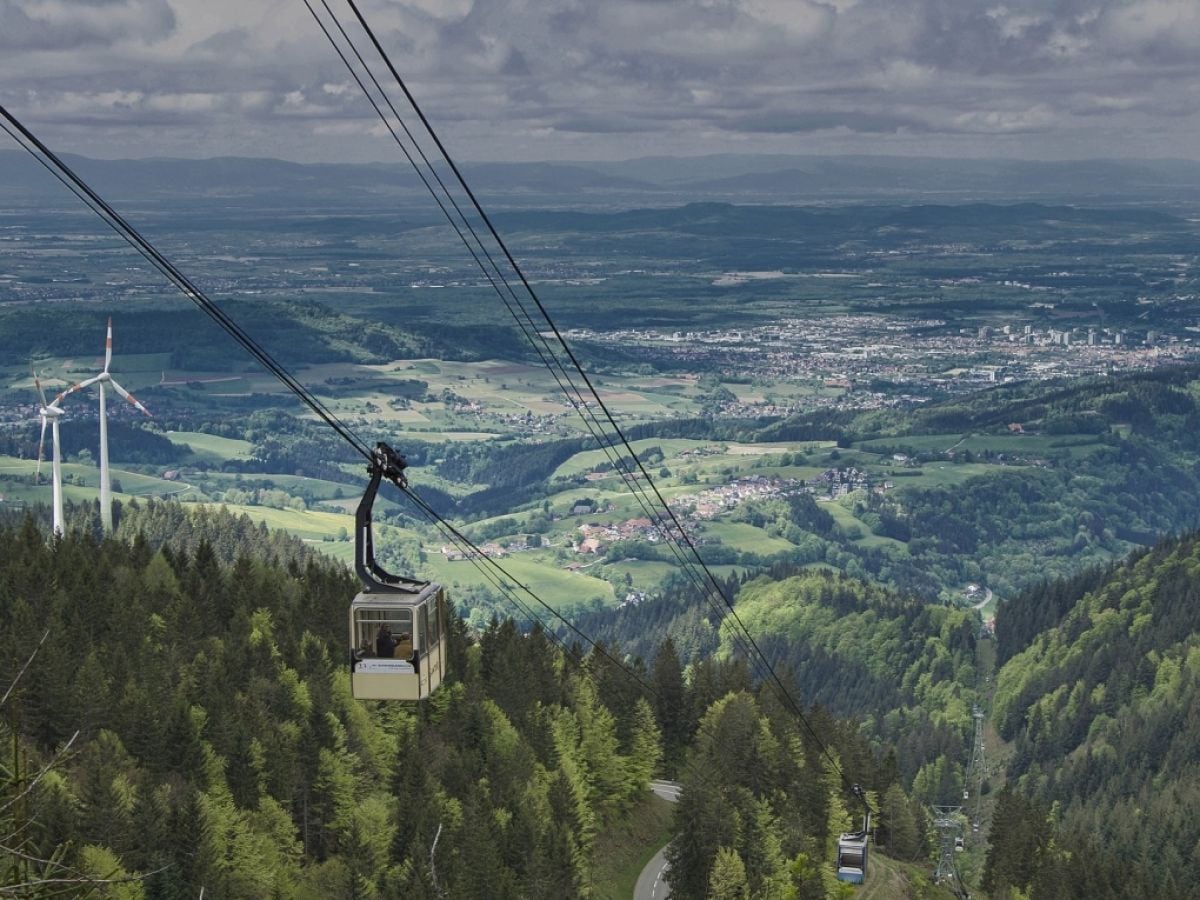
397, 624
852, 850
852, 857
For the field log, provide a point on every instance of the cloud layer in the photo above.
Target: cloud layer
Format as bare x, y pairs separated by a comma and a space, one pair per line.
542, 79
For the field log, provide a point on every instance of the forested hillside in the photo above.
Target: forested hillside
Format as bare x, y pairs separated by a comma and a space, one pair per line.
1102, 707
1098, 466
218, 746
905, 668
186, 723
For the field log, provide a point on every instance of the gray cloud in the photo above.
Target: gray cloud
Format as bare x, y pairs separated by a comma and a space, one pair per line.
561, 78
61, 25
865, 123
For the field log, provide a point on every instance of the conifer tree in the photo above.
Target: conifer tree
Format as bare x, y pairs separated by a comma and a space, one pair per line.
671, 705
727, 880
645, 750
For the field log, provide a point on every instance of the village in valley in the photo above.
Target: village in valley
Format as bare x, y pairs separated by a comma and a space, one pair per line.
599, 525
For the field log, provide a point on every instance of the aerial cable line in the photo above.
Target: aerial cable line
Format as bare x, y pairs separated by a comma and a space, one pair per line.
711, 578
574, 360
50, 161
126, 231
573, 393
151, 254
454, 223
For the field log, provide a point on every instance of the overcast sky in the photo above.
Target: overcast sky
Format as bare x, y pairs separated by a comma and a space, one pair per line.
613, 79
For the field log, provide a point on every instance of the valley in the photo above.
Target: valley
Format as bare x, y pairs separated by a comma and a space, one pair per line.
806, 357
906, 441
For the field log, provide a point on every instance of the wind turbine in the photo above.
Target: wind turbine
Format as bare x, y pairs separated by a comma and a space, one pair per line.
51, 412
104, 378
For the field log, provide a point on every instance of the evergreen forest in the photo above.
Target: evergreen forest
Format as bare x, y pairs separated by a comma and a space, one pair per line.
179, 720
177, 717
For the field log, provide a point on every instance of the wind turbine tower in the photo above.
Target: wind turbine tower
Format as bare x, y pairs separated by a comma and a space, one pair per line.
101, 381
51, 412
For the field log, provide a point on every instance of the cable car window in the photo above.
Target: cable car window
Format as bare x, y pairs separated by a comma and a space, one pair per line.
378, 630
423, 626
435, 620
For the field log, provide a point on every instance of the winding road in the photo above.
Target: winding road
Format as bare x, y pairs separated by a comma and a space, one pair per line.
652, 883
987, 598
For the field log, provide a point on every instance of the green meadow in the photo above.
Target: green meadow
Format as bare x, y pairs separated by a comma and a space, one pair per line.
211, 447
557, 586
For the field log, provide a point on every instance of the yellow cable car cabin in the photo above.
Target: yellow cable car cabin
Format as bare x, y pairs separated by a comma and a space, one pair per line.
398, 643
397, 625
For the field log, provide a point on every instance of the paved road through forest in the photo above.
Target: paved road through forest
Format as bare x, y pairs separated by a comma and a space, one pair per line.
652, 883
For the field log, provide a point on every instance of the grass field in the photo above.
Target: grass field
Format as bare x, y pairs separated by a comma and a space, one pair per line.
948, 474
645, 574
297, 485
922, 443
308, 524
704, 457
133, 484
589, 459
1018, 445
622, 850
846, 519
342, 551
744, 537
210, 446
556, 586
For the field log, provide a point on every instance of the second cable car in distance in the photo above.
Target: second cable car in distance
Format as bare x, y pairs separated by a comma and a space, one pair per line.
852, 849
397, 625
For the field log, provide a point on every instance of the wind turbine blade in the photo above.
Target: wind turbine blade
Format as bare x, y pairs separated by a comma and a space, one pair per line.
128, 396
108, 345
38, 384
77, 386
83, 385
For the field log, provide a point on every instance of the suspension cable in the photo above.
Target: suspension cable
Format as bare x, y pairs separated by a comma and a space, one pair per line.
495, 277
710, 581
62, 172
135, 239
151, 254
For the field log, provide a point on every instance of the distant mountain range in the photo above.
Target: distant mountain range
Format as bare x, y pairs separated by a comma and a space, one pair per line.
650, 181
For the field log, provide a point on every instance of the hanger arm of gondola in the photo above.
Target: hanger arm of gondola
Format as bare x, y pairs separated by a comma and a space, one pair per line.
385, 463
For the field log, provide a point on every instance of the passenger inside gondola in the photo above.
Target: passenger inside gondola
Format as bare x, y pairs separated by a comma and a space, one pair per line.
384, 634
404, 646
385, 644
